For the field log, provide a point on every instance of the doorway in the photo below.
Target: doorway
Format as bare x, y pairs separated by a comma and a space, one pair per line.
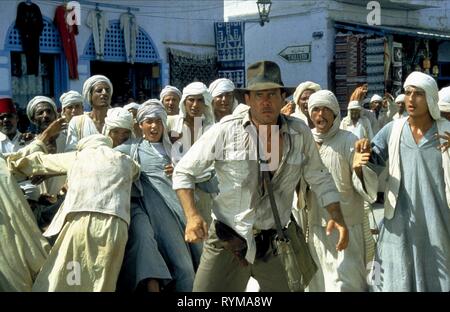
136, 82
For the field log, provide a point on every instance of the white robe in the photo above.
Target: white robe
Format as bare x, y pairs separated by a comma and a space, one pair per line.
362, 129
79, 127
345, 270
10, 146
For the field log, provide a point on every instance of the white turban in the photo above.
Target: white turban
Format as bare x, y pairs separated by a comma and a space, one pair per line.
324, 98
198, 88
91, 82
328, 99
69, 98
220, 86
428, 84
354, 105
444, 100
132, 105
169, 89
31, 107
152, 109
376, 97
400, 98
94, 141
118, 117
307, 85
155, 109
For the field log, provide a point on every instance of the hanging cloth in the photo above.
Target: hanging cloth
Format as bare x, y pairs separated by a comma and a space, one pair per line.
96, 20
67, 33
130, 30
29, 23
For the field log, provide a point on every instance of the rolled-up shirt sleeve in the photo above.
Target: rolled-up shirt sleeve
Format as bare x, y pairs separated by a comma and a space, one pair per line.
198, 158
317, 175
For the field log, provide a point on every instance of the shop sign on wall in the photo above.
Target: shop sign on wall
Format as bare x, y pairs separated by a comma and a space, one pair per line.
296, 54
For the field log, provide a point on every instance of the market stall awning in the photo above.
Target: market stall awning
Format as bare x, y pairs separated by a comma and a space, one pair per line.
393, 30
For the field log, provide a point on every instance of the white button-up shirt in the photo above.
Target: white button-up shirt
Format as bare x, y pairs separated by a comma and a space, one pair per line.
242, 203
10, 146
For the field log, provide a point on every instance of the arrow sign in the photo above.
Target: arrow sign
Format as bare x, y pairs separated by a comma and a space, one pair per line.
296, 54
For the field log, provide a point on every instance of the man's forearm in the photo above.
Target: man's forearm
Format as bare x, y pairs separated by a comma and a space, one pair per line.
186, 197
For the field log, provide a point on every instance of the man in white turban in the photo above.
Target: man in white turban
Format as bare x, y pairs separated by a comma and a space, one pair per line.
224, 102
71, 104
346, 270
375, 103
381, 111
400, 102
118, 125
152, 109
41, 112
89, 87
170, 96
97, 91
300, 98
355, 123
412, 252
444, 102
195, 116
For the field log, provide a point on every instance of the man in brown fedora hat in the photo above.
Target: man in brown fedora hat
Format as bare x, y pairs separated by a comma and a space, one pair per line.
240, 240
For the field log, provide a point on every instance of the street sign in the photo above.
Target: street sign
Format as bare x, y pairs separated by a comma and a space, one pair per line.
296, 54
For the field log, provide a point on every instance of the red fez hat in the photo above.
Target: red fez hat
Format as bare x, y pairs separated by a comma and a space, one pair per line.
7, 106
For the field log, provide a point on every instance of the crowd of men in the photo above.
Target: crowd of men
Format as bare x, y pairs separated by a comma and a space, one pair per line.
192, 191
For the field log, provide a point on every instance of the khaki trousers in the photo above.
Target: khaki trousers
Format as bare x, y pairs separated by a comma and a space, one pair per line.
219, 271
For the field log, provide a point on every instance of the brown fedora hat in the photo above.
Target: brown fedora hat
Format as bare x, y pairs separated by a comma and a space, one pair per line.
263, 75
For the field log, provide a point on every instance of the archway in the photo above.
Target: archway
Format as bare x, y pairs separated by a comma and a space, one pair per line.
129, 80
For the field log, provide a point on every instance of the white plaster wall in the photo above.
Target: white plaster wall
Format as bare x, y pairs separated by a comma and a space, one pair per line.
436, 18
291, 24
268, 41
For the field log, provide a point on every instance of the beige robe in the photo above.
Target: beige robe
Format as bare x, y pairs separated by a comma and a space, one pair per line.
23, 249
88, 252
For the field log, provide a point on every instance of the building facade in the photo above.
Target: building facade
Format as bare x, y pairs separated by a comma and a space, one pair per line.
344, 43
163, 30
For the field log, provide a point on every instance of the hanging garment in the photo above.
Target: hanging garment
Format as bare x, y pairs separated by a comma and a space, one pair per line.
30, 24
130, 30
69, 43
96, 20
